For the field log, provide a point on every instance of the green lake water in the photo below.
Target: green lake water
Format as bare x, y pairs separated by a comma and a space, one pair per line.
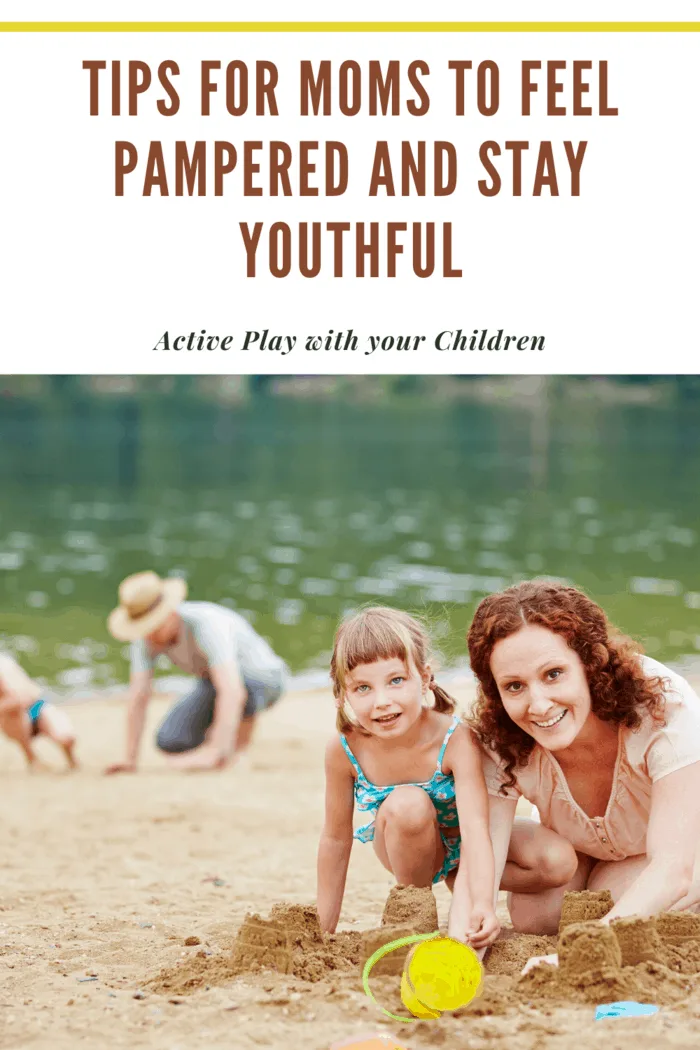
293, 512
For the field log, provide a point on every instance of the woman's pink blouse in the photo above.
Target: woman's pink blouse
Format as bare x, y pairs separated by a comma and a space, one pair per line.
644, 755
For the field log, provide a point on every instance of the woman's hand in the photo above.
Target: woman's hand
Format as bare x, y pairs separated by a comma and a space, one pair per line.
553, 960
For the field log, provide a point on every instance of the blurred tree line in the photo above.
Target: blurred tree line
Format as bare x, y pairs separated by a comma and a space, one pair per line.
78, 390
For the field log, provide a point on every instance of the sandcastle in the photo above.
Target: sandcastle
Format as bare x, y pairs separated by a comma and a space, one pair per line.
639, 941
262, 942
408, 910
291, 941
646, 959
678, 927
651, 960
585, 906
671, 939
584, 947
411, 906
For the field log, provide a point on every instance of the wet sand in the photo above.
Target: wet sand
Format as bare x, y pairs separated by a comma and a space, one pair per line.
103, 880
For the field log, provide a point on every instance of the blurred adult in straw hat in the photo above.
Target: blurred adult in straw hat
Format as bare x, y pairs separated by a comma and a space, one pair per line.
145, 602
237, 673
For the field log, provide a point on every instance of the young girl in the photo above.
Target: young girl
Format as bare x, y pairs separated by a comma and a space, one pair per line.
413, 766
24, 714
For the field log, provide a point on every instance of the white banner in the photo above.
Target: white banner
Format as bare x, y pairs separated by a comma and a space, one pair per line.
409, 200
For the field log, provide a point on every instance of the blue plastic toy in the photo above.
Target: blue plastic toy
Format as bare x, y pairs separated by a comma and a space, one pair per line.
625, 1009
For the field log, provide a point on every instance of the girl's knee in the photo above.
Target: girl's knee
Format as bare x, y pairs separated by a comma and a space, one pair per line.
410, 808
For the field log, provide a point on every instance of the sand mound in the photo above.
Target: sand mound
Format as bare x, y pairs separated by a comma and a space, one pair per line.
392, 964
411, 906
300, 921
289, 942
584, 906
639, 941
677, 927
649, 960
586, 946
509, 955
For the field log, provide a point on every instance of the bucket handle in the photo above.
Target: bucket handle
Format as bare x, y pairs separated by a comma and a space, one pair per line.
379, 954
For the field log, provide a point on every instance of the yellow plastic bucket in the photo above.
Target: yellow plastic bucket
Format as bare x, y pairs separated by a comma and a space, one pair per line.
439, 974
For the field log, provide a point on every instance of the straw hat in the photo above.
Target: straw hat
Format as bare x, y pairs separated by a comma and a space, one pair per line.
145, 602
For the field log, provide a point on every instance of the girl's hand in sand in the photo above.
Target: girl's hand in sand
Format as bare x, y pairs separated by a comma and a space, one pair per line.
553, 960
483, 927
120, 767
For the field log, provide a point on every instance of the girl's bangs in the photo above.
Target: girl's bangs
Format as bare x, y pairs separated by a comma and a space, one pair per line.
367, 640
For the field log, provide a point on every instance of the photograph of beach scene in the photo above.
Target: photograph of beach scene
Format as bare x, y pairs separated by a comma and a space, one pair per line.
291, 501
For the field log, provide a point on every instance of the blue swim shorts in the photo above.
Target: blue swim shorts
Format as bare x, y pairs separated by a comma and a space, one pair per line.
34, 711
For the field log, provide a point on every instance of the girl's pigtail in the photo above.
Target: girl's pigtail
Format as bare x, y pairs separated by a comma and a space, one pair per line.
342, 722
443, 701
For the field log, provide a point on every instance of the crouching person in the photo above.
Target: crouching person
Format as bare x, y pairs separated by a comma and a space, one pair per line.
237, 673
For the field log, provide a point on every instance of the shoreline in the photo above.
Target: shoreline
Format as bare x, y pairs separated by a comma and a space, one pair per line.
458, 676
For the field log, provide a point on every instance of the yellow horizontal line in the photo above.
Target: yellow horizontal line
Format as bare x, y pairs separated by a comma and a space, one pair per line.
349, 27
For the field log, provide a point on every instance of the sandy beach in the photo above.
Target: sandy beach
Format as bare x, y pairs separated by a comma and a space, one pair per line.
105, 879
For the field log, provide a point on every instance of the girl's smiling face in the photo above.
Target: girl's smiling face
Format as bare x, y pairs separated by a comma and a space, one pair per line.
542, 684
386, 696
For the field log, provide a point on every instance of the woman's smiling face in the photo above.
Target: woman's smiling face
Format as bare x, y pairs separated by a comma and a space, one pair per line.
542, 684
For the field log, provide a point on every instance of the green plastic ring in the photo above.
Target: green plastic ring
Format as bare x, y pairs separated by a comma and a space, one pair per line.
379, 954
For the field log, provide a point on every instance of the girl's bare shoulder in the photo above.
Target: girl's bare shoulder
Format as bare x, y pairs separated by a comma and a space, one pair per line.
336, 756
462, 743
440, 721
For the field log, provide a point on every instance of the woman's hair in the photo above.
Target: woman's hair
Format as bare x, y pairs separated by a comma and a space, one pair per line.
380, 633
620, 691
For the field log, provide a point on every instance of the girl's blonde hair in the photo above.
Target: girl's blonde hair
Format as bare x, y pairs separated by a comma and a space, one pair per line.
380, 633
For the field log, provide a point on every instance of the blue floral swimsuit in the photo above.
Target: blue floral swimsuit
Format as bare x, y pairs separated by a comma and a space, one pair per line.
440, 788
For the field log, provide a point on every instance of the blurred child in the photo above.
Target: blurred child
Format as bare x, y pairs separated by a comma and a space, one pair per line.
411, 764
24, 714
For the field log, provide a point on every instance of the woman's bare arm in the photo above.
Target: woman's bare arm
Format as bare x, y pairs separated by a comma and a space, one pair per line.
673, 838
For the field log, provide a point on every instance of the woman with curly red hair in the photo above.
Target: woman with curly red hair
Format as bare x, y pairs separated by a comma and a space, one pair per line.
603, 741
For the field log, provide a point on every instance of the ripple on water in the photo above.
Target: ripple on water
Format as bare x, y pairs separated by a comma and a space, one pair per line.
20, 540
282, 555
375, 586
37, 599
289, 612
655, 585
11, 560
82, 540
75, 677
318, 587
